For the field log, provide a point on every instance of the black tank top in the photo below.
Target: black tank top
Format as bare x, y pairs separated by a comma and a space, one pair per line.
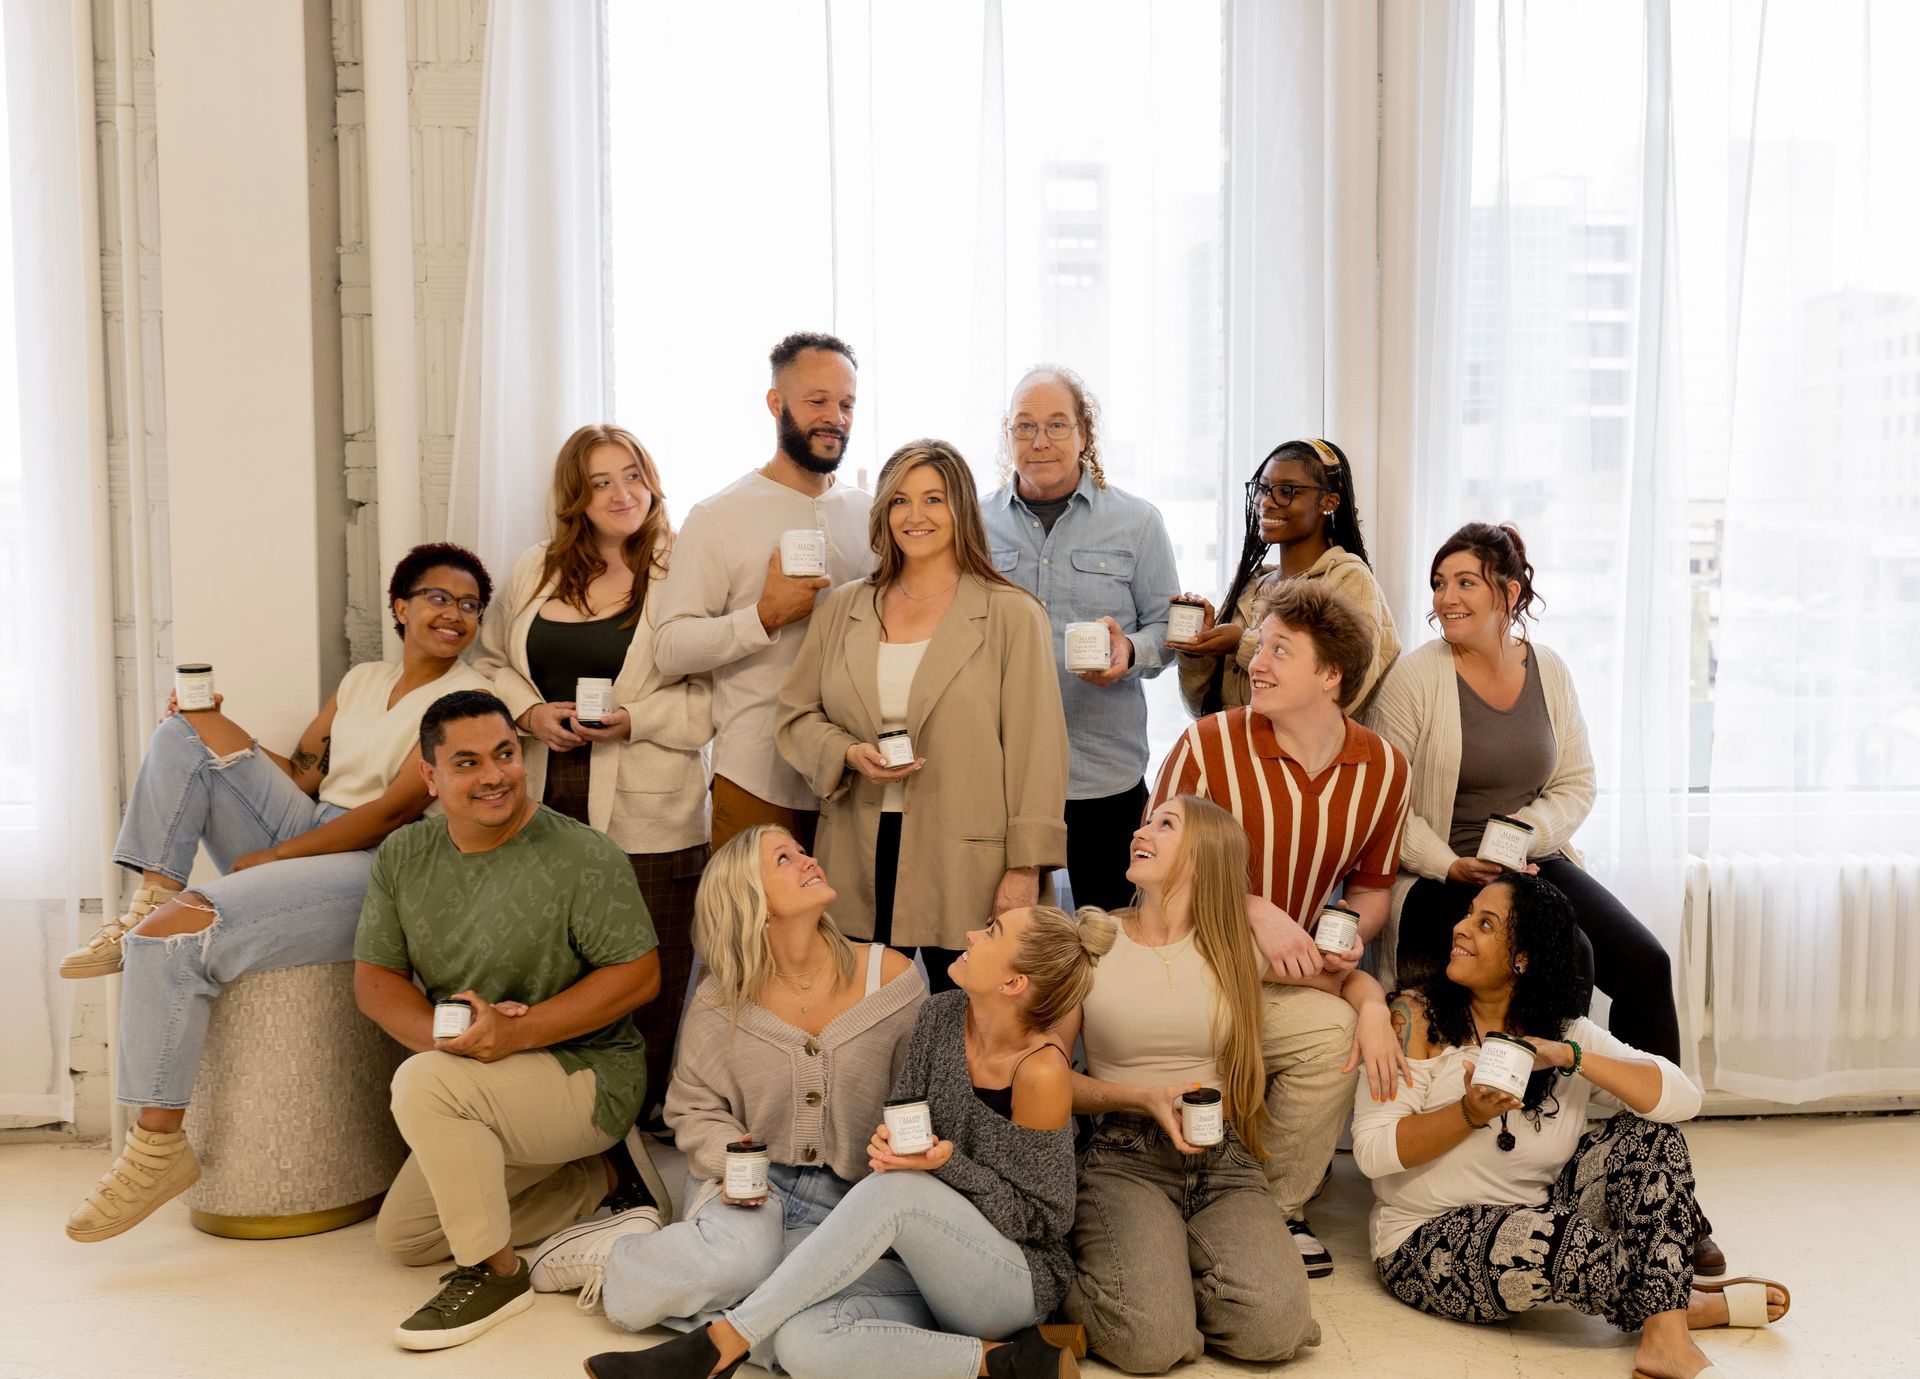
999, 1100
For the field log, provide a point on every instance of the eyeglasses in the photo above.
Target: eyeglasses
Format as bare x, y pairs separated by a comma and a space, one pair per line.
1057, 430
1281, 494
440, 601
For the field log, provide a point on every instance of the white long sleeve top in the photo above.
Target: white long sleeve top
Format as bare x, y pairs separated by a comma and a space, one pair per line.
1478, 1172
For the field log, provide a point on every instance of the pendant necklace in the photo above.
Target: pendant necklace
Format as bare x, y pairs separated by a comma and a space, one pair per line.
1166, 963
801, 983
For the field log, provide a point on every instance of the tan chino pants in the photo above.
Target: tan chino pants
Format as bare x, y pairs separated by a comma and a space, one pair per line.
1306, 1038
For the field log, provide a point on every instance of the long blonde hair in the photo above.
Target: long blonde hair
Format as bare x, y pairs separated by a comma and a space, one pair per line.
1211, 865
1058, 952
730, 922
970, 547
573, 551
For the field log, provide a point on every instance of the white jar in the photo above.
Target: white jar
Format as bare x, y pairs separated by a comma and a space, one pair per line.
748, 1170
592, 701
1506, 841
1202, 1116
1504, 1063
897, 747
193, 687
1336, 930
1184, 619
1088, 646
451, 1019
909, 1125
803, 553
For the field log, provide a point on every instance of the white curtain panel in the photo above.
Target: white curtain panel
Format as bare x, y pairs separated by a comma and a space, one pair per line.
48, 815
535, 356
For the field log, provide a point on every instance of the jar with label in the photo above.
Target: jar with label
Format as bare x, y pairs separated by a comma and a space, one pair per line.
1202, 1116
1505, 1063
1088, 646
592, 701
803, 553
1336, 929
897, 747
1506, 841
748, 1168
193, 687
1185, 618
451, 1019
909, 1125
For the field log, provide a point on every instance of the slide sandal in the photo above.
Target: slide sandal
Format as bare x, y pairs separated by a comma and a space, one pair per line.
1710, 1372
1747, 1298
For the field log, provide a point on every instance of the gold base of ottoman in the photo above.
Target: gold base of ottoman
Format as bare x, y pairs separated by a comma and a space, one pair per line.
284, 1227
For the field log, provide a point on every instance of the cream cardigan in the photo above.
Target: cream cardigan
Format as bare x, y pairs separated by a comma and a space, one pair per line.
1418, 710
649, 793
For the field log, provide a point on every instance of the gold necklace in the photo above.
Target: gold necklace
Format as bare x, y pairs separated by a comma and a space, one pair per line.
1167, 963
804, 980
901, 589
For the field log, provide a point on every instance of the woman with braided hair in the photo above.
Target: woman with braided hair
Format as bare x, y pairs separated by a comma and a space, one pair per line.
1302, 523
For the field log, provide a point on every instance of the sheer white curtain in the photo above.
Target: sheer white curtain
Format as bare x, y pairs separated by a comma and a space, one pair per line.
48, 818
1536, 359
535, 346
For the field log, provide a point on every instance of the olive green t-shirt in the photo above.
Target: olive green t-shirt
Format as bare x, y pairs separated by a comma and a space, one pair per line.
522, 922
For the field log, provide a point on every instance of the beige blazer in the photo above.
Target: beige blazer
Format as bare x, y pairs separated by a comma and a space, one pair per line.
649, 793
985, 713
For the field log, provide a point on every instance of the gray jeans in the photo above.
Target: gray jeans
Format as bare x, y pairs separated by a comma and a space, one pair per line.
1179, 1252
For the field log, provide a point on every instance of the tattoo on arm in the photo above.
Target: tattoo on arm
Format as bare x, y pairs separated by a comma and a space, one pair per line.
305, 761
1402, 1012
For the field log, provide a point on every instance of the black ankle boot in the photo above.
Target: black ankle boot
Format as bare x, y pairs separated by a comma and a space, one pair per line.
1028, 1355
691, 1356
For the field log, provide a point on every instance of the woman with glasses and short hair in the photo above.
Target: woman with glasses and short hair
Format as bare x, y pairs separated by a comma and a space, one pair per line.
293, 837
581, 605
1302, 523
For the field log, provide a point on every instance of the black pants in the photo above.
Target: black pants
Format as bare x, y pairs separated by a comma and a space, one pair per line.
886, 866
1620, 955
1098, 832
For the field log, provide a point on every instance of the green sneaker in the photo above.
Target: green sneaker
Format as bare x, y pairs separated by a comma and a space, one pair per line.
473, 1300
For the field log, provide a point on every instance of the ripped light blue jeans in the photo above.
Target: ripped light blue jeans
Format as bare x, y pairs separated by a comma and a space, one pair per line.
280, 914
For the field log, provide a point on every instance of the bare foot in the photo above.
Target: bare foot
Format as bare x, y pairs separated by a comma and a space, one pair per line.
1710, 1309
1666, 1358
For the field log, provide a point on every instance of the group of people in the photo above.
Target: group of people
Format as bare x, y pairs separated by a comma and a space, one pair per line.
805, 779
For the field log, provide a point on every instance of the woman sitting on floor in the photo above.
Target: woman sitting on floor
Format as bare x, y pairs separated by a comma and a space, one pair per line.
1490, 1204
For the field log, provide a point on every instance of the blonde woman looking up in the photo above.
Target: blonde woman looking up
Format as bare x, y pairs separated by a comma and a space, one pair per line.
939, 646
976, 1222
792, 1041
581, 605
1177, 1005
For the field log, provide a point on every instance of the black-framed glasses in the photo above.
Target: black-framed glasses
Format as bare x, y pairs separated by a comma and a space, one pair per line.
1056, 429
1281, 494
440, 601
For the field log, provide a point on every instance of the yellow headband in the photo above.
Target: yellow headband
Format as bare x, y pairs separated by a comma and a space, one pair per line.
1327, 456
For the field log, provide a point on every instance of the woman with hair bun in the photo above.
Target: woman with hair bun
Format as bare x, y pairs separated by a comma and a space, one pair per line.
1489, 721
1490, 1203
976, 1223
1300, 502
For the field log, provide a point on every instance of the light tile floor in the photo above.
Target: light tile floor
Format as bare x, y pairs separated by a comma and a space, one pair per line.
1828, 1205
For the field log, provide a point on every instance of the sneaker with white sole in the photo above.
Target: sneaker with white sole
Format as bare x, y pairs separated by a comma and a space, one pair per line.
99, 956
471, 1302
577, 1256
1313, 1254
152, 1170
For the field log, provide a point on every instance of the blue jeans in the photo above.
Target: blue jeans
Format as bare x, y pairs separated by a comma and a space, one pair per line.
835, 1309
281, 914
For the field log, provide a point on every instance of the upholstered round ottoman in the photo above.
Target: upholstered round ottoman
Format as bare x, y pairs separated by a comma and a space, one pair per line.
290, 1117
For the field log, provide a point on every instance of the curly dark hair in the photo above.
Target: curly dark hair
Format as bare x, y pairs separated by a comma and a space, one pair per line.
791, 347
420, 559
1503, 561
1549, 991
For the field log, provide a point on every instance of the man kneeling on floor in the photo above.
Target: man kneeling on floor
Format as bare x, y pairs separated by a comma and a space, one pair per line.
517, 1124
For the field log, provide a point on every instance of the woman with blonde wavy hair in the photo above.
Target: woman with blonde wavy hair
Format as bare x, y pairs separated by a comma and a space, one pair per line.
577, 606
792, 1041
938, 655
1176, 1007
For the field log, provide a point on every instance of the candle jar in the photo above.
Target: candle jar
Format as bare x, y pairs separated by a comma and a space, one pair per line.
909, 1125
1505, 1063
897, 747
451, 1019
1336, 930
1088, 646
1506, 841
1202, 1116
193, 687
803, 553
592, 701
1185, 617
748, 1166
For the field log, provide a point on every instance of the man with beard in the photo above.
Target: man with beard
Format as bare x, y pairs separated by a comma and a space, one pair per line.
522, 1123
725, 607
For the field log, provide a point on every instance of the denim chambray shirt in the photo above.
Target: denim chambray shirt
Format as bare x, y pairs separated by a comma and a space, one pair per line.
1108, 556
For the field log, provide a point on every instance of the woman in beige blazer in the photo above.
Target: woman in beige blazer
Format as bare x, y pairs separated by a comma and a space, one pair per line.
938, 644
579, 605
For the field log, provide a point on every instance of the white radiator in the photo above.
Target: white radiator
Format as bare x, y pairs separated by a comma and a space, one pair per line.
1806, 970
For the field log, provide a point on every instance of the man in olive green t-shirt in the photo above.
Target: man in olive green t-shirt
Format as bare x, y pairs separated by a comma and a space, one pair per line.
536, 923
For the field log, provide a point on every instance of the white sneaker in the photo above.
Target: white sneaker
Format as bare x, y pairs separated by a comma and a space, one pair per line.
576, 1257
99, 956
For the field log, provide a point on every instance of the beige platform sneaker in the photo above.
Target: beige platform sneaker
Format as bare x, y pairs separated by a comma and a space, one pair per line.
153, 1169
100, 956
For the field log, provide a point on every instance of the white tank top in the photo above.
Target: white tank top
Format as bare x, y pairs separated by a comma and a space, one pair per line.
370, 740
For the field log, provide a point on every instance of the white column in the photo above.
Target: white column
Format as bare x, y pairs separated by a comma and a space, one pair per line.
1351, 179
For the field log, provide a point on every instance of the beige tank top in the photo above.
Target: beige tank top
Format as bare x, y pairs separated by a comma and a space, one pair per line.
1148, 1022
370, 740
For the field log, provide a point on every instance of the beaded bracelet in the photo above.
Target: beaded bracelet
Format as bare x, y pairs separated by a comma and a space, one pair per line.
1569, 1072
1464, 1115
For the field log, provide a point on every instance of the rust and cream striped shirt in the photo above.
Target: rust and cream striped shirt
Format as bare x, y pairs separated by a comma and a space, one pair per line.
1305, 835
